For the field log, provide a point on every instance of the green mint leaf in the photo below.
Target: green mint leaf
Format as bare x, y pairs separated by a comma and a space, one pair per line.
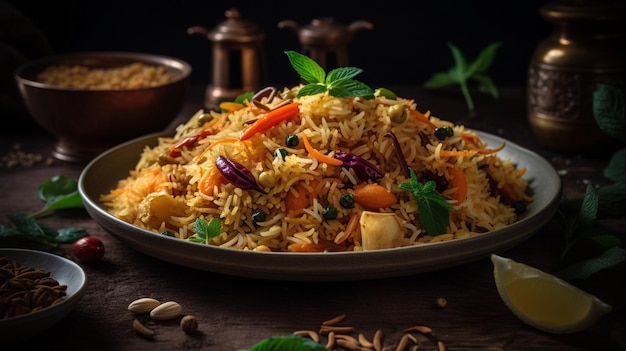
584, 269
308, 69
433, 209
288, 342
311, 89
612, 200
205, 231
609, 110
338, 83
462, 72
440, 80
589, 207
26, 228
484, 59
247, 96
350, 88
342, 73
616, 169
59, 192
70, 235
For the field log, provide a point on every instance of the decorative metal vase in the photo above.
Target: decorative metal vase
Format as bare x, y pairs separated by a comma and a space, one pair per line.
578, 75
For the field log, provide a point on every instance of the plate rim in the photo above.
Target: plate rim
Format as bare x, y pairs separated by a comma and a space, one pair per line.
336, 266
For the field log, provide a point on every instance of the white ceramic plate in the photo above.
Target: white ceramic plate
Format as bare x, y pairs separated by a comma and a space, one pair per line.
102, 174
66, 272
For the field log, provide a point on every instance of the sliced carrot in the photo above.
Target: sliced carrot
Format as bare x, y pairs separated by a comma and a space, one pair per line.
210, 179
351, 227
423, 118
271, 119
300, 197
485, 151
373, 196
231, 106
318, 247
318, 155
458, 181
453, 153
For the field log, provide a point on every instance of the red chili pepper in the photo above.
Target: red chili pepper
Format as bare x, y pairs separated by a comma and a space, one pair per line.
271, 119
188, 141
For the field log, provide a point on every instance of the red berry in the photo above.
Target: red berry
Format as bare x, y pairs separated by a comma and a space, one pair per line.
88, 249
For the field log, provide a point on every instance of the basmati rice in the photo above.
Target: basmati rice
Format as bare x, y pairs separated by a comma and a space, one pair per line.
168, 191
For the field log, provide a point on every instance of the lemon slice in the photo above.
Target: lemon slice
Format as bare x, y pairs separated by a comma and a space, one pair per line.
545, 301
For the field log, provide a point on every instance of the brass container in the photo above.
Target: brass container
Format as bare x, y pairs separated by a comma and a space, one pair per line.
239, 63
586, 50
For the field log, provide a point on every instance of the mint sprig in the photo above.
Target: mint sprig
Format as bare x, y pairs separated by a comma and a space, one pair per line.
463, 71
434, 210
589, 246
205, 231
338, 82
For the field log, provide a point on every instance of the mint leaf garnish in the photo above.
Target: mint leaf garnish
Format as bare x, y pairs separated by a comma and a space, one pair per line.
434, 210
338, 82
205, 231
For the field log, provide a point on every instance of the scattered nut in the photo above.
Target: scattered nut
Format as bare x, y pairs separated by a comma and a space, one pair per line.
143, 330
166, 310
143, 305
189, 324
441, 302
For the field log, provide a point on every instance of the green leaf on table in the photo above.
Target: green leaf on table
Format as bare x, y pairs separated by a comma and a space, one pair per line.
462, 72
59, 192
70, 234
288, 342
609, 110
433, 209
616, 169
612, 200
584, 269
338, 82
24, 228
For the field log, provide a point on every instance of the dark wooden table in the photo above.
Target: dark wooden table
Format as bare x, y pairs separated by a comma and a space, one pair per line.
235, 313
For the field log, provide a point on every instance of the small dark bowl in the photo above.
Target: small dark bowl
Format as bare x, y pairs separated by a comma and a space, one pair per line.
88, 122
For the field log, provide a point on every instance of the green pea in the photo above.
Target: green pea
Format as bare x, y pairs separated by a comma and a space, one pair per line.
346, 201
282, 153
329, 213
397, 113
444, 132
257, 216
292, 140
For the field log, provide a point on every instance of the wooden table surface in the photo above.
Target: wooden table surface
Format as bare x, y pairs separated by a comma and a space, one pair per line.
235, 313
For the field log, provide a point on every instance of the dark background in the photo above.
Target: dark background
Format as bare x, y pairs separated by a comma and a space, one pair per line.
406, 46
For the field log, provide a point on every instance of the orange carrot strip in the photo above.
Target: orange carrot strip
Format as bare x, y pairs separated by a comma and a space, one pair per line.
351, 227
318, 155
423, 118
300, 197
271, 119
492, 151
452, 153
373, 196
231, 106
319, 247
459, 181
209, 179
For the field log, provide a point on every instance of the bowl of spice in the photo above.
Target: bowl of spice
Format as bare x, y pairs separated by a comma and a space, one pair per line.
92, 101
37, 290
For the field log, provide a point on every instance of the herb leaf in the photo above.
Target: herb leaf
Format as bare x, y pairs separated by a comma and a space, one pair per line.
434, 210
59, 192
609, 110
288, 342
337, 83
205, 231
462, 72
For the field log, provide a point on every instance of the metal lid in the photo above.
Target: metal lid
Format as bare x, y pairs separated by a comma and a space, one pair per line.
235, 29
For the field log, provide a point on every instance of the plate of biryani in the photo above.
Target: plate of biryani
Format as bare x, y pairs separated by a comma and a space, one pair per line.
330, 180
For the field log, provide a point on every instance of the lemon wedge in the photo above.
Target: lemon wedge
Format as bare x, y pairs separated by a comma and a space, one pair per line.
545, 301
